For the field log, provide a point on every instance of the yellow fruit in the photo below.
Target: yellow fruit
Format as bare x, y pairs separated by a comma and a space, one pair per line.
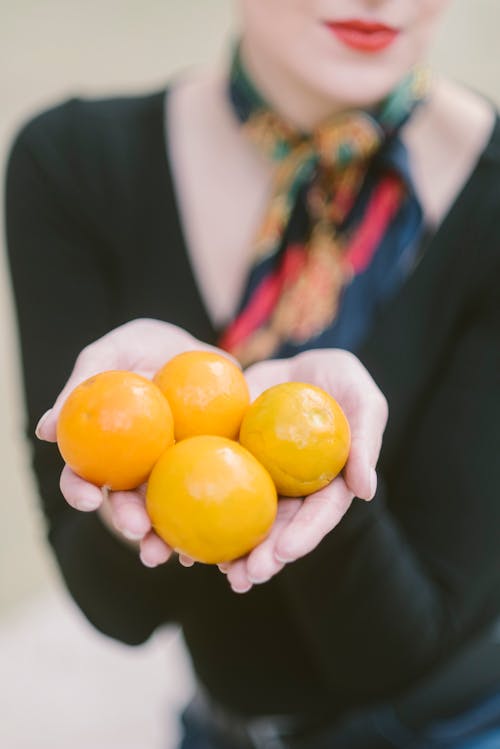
207, 393
207, 497
113, 428
300, 434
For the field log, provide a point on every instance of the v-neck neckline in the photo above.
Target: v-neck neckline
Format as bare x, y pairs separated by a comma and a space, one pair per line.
427, 261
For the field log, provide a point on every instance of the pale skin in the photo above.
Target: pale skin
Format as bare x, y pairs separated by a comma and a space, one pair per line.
222, 185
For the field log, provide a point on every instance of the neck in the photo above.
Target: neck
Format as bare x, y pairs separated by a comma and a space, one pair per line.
296, 102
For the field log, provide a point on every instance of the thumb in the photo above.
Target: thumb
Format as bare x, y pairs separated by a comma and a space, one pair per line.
88, 363
265, 374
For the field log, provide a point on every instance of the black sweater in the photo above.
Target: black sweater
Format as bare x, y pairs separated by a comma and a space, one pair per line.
95, 240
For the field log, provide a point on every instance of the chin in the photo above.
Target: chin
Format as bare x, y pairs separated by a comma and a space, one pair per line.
356, 85
348, 77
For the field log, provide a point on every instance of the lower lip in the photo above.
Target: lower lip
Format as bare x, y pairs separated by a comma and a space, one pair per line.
364, 41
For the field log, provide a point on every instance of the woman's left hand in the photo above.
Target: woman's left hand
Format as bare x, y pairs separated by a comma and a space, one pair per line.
302, 523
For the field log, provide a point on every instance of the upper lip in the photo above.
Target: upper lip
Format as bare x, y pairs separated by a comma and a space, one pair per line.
358, 24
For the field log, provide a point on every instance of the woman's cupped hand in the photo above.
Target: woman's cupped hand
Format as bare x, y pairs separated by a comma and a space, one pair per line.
143, 346
301, 524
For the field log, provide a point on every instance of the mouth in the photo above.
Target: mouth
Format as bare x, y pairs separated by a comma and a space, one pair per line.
364, 36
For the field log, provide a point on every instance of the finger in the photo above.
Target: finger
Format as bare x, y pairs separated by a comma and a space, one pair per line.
261, 564
79, 493
129, 515
154, 551
343, 376
367, 421
359, 472
186, 560
318, 515
42, 431
237, 576
264, 375
366, 410
90, 362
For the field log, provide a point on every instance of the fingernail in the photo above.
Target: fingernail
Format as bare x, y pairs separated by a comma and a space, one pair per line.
257, 580
146, 563
41, 422
87, 505
283, 559
241, 590
131, 535
373, 483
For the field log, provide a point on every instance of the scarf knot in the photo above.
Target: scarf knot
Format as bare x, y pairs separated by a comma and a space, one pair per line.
295, 288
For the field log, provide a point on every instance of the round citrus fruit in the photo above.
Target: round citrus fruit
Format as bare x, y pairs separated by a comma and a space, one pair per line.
209, 498
208, 394
113, 428
300, 434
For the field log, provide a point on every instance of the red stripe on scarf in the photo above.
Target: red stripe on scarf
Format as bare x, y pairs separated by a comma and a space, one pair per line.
264, 298
381, 209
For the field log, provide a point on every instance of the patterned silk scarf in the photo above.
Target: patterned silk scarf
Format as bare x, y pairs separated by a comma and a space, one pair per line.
342, 198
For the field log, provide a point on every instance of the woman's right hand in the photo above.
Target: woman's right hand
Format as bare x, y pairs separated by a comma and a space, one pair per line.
140, 346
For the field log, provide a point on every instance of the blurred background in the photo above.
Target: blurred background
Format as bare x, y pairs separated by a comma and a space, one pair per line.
61, 683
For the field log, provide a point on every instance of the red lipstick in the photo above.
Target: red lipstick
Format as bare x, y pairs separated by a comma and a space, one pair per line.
364, 36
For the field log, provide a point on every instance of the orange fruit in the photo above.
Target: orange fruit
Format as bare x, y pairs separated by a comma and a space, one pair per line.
113, 428
207, 393
210, 498
300, 434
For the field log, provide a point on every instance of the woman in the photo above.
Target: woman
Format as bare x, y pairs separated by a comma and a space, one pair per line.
323, 196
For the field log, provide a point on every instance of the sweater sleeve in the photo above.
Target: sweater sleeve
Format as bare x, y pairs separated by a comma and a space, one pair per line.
403, 581
63, 281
